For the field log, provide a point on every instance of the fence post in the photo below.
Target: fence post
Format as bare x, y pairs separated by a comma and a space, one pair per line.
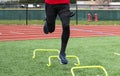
76, 14
26, 12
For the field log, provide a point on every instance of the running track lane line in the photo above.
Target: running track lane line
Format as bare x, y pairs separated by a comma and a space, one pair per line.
13, 32
91, 31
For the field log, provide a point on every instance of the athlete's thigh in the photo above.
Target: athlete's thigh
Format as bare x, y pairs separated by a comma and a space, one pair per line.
50, 13
64, 15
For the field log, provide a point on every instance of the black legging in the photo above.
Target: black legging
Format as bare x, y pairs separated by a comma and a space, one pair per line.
63, 11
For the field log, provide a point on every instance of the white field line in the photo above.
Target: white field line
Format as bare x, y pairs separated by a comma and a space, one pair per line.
117, 54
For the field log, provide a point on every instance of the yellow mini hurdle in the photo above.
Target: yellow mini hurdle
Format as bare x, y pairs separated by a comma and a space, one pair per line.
68, 56
88, 67
44, 50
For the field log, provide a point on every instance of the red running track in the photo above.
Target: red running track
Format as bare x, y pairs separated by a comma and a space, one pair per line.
17, 32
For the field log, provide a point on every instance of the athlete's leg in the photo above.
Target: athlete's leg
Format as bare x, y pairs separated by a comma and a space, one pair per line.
65, 26
65, 18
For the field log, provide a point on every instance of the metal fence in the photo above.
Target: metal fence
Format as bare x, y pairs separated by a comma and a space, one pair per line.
29, 12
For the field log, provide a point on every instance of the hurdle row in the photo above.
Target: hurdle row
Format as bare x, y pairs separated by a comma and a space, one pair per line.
77, 65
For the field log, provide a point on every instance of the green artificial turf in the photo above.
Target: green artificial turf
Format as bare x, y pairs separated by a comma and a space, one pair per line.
16, 57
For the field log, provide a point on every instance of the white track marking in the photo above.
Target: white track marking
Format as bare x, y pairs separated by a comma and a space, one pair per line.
0, 33
13, 32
